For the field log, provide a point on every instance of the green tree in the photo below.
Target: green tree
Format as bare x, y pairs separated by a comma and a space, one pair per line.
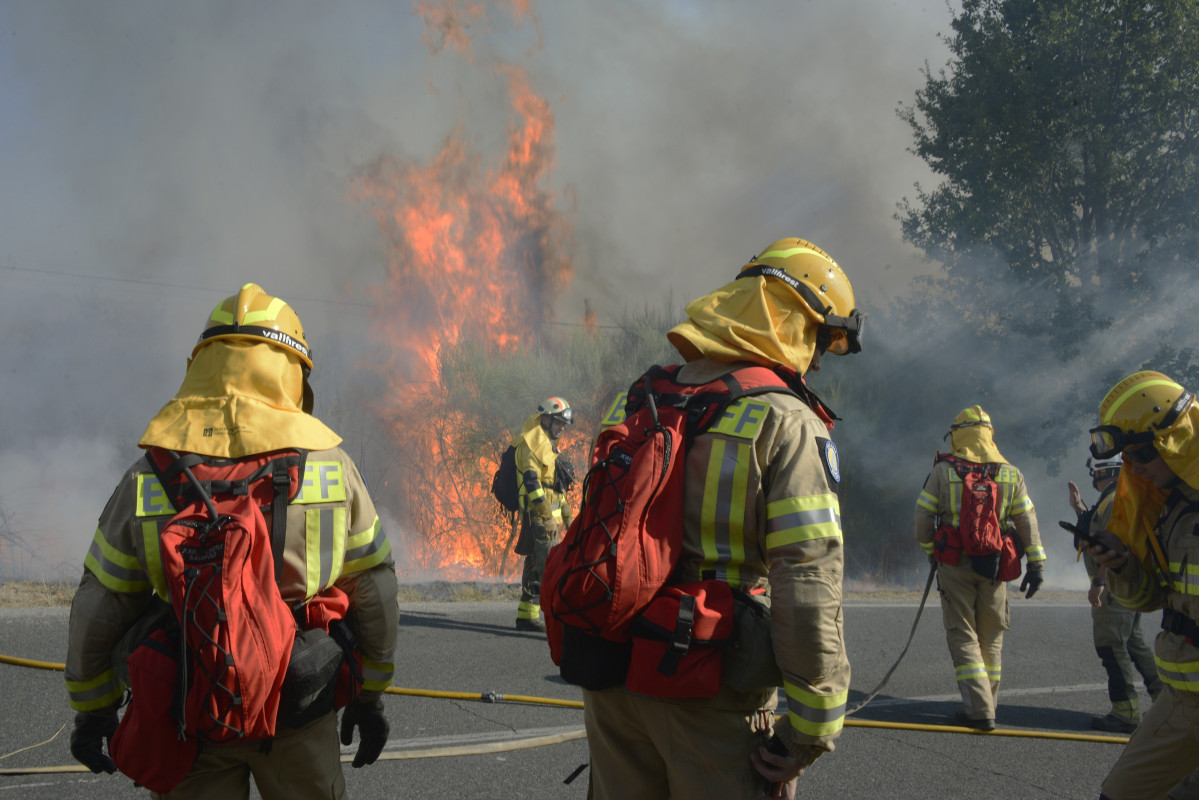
1066, 132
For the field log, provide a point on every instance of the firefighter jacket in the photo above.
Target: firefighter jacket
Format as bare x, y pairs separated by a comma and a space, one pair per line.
1174, 588
761, 512
1099, 514
333, 539
536, 460
940, 502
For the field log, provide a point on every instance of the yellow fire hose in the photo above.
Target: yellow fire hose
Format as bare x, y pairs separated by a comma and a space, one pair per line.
542, 741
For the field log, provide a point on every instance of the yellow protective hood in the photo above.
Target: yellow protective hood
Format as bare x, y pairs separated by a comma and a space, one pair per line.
749, 319
537, 439
239, 398
975, 442
1138, 503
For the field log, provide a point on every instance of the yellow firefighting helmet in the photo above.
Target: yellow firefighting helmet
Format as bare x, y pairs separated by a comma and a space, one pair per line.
971, 417
1136, 410
556, 408
823, 288
254, 314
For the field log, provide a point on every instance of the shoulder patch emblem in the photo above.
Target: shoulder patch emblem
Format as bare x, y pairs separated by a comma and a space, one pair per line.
832, 462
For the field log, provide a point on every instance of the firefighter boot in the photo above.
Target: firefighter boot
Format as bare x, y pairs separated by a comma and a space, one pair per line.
1123, 718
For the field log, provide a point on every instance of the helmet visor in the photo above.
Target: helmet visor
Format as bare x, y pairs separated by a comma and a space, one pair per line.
1109, 440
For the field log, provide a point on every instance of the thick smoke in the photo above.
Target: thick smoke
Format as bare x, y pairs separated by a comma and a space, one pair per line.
157, 156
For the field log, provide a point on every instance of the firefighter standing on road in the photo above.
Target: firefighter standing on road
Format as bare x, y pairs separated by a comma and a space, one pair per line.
973, 601
543, 503
761, 512
245, 393
1115, 629
1151, 553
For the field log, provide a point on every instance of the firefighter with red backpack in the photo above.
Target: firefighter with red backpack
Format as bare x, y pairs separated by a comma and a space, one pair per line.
974, 519
681, 701
239, 582
543, 480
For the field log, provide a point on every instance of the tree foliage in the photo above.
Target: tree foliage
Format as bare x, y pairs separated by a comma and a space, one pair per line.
1066, 132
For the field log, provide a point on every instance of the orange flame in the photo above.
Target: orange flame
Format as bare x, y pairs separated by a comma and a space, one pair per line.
473, 251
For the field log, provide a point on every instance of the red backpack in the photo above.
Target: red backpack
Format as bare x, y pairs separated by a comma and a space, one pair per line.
622, 547
979, 533
224, 660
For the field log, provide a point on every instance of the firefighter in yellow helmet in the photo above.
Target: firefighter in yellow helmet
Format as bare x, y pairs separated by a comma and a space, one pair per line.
245, 393
974, 600
761, 513
1115, 629
1151, 555
543, 482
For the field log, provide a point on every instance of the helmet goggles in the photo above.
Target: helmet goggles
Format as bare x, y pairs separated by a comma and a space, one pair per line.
845, 333
1108, 440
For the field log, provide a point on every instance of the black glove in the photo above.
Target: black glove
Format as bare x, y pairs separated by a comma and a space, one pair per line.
87, 740
373, 729
1034, 576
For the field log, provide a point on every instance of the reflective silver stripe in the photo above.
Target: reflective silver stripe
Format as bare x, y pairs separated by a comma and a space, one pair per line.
365, 549
326, 546
100, 692
815, 714
1181, 675
376, 675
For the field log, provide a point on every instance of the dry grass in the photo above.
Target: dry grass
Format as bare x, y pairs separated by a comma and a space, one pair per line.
35, 594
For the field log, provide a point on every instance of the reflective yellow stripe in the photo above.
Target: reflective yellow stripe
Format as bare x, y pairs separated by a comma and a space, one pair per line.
615, 414
929, 548
268, 314
324, 482
707, 518
119, 572
366, 549
151, 499
790, 251
1132, 390
968, 672
100, 692
1188, 582
1182, 675
1021, 506
151, 529
928, 500
815, 714
802, 519
1035, 553
376, 675
527, 610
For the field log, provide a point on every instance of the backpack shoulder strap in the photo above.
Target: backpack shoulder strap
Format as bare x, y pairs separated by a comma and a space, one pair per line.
169, 465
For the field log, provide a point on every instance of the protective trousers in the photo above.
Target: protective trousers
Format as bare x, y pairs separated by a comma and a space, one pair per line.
1123, 652
1162, 755
304, 762
540, 537
643, 748
975, 611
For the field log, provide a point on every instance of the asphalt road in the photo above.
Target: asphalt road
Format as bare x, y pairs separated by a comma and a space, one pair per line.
1052, 682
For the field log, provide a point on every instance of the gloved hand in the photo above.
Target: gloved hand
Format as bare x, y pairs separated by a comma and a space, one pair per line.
373, 729
87, 740
1034, 576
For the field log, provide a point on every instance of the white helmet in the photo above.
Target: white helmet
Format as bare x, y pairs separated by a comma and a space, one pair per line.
556, 408
1101, 468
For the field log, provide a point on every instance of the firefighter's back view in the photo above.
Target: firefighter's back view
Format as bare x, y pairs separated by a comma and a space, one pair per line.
761, 514
245, 396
